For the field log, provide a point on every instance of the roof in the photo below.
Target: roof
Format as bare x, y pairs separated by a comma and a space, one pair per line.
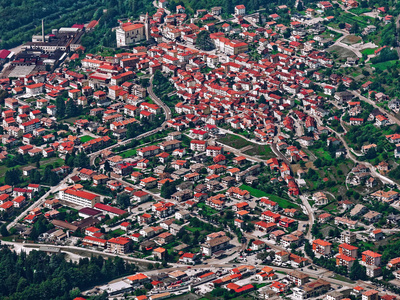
110, 209
119, 240
81, 194
132, 27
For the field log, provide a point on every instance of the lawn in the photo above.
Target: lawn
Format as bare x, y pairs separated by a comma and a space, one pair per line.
128, 153
234, 141
342, 278
207, 210
359, 10
86, 138
384, 65
368, 51
258, 193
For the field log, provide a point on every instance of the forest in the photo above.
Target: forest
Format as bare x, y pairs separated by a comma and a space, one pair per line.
39, 276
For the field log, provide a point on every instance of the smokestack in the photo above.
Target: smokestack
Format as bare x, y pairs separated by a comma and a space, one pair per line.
43, 30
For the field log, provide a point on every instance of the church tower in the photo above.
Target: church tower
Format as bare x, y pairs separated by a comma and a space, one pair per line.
147, 27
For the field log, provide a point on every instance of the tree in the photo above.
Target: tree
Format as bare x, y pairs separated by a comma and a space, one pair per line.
123, 200
3, 230
204, 41
262, 100
82, 160
357, 271
168, 189
300, 6
228, 6
60, 106
341, 87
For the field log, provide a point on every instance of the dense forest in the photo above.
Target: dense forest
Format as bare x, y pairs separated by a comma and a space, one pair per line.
39, 276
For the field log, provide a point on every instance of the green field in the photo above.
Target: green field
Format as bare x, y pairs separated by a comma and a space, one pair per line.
86, 138
263, 151
368, 51
128, 153
258, 193
234, 141
384, 65
359, 10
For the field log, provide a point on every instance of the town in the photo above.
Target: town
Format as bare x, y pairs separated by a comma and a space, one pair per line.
225, 154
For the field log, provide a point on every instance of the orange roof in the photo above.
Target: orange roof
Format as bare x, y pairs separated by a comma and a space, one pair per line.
132, 27
371, 253
138, 276
322, 243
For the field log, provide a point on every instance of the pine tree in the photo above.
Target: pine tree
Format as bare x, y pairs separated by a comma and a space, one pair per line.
60, 105
228, 6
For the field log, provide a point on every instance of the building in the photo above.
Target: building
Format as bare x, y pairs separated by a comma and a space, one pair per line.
240, 10
370, 295
79, 197
311, 289
119, 245
348, 237
370, 258
210, 247
298, 278
321, 247
128, 34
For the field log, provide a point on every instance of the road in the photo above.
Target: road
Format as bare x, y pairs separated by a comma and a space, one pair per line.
374, 173
75, 248
41, 199
311, 216
153, 96
167, 113
392, 118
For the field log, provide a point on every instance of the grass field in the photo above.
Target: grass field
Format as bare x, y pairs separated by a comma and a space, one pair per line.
86, 138
263, 151
359, 10
384, 65
342, 278
234, 141
258, 193
368, 51
128, 153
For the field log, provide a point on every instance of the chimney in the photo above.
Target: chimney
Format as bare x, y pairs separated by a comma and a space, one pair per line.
43, 30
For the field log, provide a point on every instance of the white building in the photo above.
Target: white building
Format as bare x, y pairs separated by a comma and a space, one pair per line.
81, 198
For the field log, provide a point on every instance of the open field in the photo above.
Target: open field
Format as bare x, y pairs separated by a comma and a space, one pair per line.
234, 141
86, 138
351, 39
341, 52
258, 193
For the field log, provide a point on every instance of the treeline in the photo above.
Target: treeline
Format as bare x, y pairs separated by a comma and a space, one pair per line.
39, 276
229, 5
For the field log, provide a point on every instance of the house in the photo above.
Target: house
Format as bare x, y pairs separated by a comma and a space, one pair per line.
240, 10
188, 258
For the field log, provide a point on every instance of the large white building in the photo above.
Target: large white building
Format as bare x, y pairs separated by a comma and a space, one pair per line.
133, 33
81, 198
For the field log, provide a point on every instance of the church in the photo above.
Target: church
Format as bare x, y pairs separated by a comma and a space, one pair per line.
128, 34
